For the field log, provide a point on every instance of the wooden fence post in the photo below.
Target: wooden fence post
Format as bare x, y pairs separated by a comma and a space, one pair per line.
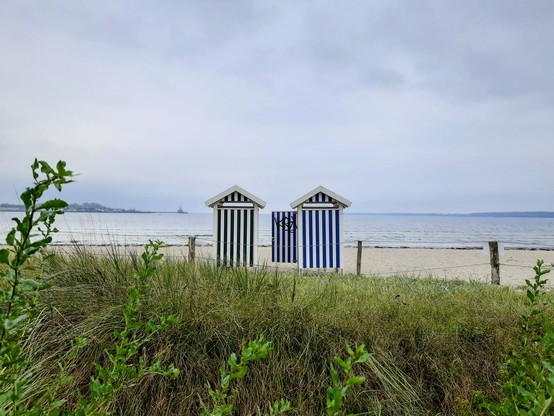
192, 248
359, 259
495, 262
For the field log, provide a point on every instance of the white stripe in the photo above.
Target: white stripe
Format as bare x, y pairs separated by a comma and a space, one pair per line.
340, 240
320, 243
215, 233
234, 257
228, 228
255, 242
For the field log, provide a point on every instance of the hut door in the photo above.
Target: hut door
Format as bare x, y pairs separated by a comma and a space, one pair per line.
320, 239
283, 237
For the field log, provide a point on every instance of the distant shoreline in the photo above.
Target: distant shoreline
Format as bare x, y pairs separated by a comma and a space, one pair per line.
99, 209
511, 214
94, 211
266, 246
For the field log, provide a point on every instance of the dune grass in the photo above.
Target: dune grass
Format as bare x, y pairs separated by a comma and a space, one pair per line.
433, 341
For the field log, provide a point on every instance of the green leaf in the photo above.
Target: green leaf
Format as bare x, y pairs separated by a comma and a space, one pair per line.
27, 198
10, 238
4, 256
58, 404
349, 350
9, 276
240, 373
61, 167
53, 204
10, 324
363, 358
34, 167
355, 380
29, 285
45, 167
342, 363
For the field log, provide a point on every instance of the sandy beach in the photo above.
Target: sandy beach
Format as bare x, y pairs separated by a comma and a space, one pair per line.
469, 265
516, 265
465, 264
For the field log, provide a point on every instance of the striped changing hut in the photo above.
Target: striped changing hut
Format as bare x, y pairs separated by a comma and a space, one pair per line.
319, 229
235, 219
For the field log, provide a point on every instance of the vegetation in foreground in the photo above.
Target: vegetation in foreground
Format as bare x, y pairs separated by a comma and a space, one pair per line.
116, 334
432, 342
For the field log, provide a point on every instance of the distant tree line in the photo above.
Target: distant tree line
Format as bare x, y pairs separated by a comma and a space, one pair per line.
84, 207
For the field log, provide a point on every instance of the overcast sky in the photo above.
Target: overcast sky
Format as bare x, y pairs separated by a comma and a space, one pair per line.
400, 106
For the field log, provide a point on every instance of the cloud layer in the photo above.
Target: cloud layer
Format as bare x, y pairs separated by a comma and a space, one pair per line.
399, 106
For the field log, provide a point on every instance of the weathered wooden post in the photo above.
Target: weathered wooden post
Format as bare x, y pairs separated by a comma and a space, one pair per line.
495, 262
359, 259
192, 248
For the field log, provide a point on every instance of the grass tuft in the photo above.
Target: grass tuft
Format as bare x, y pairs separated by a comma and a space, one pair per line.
432, 341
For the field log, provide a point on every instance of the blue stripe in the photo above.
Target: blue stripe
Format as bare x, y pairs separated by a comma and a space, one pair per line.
324, 242
273, 226
331, 264
304, 241
289, 216
337, 238
283, 238
278, 237
295, 239
279, 259
311, 237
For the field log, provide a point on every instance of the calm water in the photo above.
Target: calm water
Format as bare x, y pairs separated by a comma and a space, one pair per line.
373, 230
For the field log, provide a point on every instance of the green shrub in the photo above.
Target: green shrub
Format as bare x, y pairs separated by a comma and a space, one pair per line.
19, 294
19, 308
528, 374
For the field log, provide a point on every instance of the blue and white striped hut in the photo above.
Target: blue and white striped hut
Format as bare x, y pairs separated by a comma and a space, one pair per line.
319, 228
236, 219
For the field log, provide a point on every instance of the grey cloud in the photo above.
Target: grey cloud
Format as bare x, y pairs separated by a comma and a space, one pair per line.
430, 105
475, 50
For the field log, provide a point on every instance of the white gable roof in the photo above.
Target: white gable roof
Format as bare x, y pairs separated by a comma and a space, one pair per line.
341, 200
212, 201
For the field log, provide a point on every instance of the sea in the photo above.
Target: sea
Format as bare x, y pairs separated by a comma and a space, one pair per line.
373, 230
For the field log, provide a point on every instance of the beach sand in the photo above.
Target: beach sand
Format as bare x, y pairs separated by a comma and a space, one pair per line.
464, 264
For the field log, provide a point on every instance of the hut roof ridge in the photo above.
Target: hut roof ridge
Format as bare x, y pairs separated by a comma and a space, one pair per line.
340, 199
235, 188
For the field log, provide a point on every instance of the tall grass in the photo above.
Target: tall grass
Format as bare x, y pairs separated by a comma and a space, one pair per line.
433, 341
